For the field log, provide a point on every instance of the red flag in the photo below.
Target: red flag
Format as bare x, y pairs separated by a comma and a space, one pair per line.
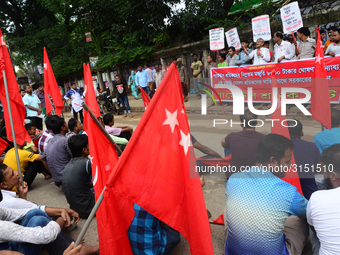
90, 95
320, 102
51, 88
292, 176
154, 170
17, 105
3, 145
146, 99
111, 237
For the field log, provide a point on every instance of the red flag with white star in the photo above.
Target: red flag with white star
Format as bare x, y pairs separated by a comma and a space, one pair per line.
320, 102
51, 88
17, 105
146, 99
154, 170
280, 128
104, 157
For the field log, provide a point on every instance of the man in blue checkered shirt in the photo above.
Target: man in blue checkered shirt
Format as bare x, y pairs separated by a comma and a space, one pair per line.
149, 236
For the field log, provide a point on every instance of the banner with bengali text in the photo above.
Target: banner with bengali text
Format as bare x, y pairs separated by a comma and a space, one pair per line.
295, 74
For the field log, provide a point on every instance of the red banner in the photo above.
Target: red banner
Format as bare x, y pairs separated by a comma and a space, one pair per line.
294, 74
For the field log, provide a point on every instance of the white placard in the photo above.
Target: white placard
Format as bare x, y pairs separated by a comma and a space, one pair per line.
216, 37
291, 17
261, 28
233, 39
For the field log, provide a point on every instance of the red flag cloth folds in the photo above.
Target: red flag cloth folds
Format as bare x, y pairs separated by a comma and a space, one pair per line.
51, 88
3, 145
90, 95
154, 170
320, 102
292, 176
103, 159
146, 99
17, 105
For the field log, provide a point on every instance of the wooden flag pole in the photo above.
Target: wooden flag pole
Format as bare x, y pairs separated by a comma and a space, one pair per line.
12, 127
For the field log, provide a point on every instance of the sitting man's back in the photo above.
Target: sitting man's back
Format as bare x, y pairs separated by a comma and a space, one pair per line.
323, 208
259, 204
243, 144
77, 177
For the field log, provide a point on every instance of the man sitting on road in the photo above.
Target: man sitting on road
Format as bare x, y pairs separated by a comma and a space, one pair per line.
75, 127
77, 177
243, 144
323, 208
262, 211
36, 230
47, 135
57, 155
124, 132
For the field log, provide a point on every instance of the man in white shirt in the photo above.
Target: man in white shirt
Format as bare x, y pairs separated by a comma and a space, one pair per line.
334, 48
261, 55
323, 209
158, 75
283, 50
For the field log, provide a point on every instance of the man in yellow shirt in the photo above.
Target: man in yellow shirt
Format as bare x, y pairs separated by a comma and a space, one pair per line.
196, 71
30, 164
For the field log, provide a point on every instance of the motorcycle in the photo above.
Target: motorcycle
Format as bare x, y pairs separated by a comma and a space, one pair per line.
111, 104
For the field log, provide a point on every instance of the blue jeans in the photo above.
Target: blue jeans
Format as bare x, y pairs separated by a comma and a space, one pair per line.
146, 89
37, 218
125, 103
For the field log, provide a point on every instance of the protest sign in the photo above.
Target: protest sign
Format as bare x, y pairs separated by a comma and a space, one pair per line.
261, 28
295, 74
291, 17
216, 37
233, 39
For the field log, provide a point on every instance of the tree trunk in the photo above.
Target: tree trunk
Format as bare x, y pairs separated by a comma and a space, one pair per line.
100, 80
205, 62
110, 79
186, 72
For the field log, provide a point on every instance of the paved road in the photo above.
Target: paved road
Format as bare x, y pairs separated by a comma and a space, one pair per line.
45, 192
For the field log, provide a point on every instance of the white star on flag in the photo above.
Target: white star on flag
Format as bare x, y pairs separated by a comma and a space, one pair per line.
3, 41
95, 176
318, 59
45, 66
91, 160
171, 119
185, 142
182, 111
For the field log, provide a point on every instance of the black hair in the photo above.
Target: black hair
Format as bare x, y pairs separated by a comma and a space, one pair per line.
232, 48
48, 119
295, 131
266, 42
117, 75
333, 28
335, 117
27, 85
159, 64
249, 119
337, 30
28, 126
223, 55
304, 30
279, 34
245, 41
107, 118
139, 65
3, 167
56, 124
22, 90
272, 145
72, 123
77, 143
331, 158
322, 31
195, 54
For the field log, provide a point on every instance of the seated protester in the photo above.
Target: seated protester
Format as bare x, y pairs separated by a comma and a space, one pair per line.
334, 48
323, 207
243, 144
57, 154
47, 135
34, 133
261, 209
124, 132
30, 164
221, 59
36, 230
306, 155
30, 146
327, 138
148, 235
75, 127
77, 177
